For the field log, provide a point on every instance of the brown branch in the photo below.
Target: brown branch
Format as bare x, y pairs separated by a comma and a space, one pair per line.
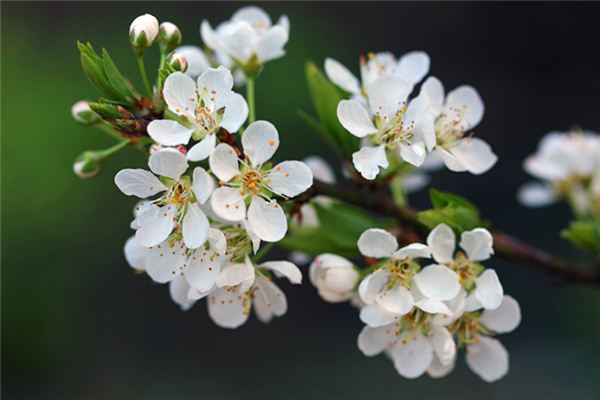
505, 246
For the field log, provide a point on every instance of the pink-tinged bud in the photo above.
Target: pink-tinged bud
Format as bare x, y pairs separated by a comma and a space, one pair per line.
88, 164
169, 36
143, 31
334, 277
178, 62
83, 114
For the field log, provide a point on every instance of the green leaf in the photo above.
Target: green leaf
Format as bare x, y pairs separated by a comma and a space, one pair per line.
584, 234
325, 98
340, 226
114, 77
455, 211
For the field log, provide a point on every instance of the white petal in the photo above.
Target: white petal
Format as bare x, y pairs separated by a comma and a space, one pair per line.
449, 160
411, 355
456, 307
202, 184
437, 282
180, 95
398, 300
156, 225
415, 181
475, 155
372, 285
252, 235
135, 254
267, 219
372, 341
284, 268
441, 241
195, 227
355, 118
320, 169
228, 203
203, 270
443, 344
226, 307
260, 141
168, 133
214, 87
201, 150
164, 262
433, 306
466, 99
236, 112
536, 194
434, 90
196, 60
377, 243
503, 319
178, 289
236, 274
168, 162
413, 66
340, 75
488, 359
253, 15
290, 178
217, 240
368, 160
269, 300
438, 370
478, 244
270, 45
375, 316
138, 182
223, 162
489, 291
413, 250
387, 94
413, 153
472, 304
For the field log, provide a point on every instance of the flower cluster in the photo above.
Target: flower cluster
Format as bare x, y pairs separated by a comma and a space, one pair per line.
568, 167
421, 315
394, 127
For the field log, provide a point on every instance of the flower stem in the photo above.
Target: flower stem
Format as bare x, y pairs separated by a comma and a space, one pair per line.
115, 148
263, 252
250, 97
142, 68
109, 130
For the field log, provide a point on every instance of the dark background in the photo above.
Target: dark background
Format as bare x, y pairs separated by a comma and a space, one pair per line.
78, 323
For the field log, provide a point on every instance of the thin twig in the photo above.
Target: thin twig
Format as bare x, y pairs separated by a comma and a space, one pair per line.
505, 246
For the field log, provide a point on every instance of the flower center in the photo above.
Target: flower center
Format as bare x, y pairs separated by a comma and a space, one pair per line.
402, 272
466, 269
468, 328
448, 128
393, 131
239, 244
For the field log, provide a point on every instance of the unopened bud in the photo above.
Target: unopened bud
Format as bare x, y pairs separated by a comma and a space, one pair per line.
169, 36
334, 277
88, 164
83, 114
143, 31
178, 62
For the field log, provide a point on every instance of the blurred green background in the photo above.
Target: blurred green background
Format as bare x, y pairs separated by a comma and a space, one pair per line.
78, 323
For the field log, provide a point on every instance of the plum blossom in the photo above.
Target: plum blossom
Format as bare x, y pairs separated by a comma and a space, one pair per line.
455, 115
399, 283
249, 38
203, 109
252, 181
477, 245
411, 67
176, 212
388, 124
334, 277
567, 165
245, 286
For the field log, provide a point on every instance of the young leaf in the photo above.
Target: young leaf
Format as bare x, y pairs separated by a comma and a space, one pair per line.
455, 211
114, 77
584, 234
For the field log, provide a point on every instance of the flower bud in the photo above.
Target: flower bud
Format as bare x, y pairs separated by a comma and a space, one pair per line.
178, 62
169, 36
88, 164
334, 277
143, 32
83, 114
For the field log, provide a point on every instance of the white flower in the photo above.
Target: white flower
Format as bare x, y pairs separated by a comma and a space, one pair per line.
478, 246
204, 108
388, 124
177, 209
243, 286
456, 114
196, 60
399, 283
334, 277
248, 37
566, 163
251, 181
411, 67
143, 31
